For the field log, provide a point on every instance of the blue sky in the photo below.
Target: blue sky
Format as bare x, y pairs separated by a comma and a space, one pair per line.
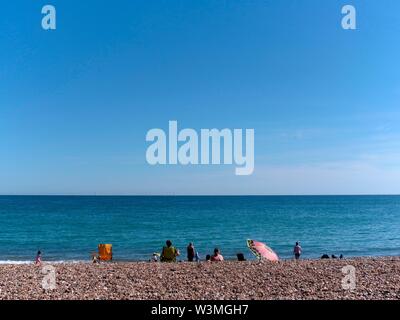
76, 103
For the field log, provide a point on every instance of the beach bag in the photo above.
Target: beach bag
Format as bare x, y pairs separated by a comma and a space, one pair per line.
240, 257
105, 252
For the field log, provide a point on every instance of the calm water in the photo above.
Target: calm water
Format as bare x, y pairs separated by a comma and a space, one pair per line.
69, 228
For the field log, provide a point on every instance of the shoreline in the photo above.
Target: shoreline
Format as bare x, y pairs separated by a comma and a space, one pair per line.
228, 259
376, 278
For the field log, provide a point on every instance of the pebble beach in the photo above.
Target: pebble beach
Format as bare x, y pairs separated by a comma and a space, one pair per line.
376, 278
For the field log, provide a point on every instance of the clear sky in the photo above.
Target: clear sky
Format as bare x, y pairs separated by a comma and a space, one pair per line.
76, 103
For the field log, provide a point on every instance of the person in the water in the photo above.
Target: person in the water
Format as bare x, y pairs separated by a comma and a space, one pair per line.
297, 251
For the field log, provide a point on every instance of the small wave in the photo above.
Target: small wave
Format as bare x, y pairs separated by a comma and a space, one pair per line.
2, 262
15, 262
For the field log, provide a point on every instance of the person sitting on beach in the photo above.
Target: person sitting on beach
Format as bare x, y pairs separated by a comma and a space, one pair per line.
208, 258
191, 253
95, 257
38, 260
297, 251
324, 256
154, 257
216, 257
169, 253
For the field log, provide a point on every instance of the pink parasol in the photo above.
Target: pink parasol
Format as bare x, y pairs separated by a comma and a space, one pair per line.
262, 251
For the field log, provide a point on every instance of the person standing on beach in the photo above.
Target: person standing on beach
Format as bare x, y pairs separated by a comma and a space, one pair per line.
297, 251
191, 252
38, 260
217, 257
169, 252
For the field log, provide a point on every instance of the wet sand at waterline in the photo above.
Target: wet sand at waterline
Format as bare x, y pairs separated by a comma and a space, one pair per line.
376, 278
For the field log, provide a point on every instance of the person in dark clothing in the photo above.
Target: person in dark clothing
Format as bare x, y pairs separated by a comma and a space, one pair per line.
191, 252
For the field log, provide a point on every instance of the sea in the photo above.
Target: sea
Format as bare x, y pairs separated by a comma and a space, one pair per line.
69, 228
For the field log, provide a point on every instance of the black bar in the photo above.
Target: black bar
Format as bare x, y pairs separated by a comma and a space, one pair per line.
198, 309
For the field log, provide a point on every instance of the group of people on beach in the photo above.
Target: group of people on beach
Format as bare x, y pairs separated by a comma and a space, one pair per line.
297, 250
169, 253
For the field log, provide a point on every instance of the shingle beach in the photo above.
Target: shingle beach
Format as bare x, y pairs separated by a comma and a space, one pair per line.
376, 278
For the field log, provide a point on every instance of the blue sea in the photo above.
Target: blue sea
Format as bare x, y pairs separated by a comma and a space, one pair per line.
69, 228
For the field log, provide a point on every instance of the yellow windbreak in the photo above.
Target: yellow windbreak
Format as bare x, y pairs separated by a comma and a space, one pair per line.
105, 252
